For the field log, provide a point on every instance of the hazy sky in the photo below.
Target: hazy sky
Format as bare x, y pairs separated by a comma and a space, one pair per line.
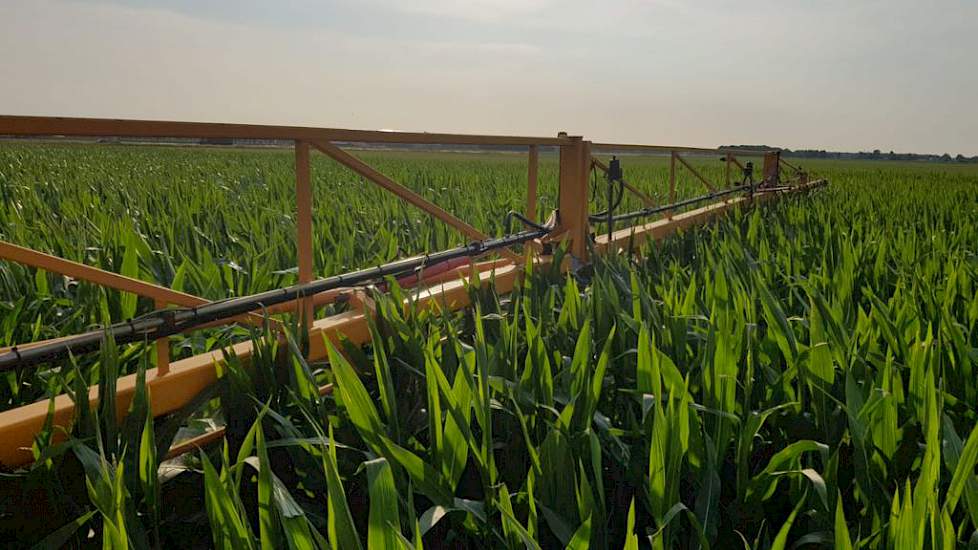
844, 75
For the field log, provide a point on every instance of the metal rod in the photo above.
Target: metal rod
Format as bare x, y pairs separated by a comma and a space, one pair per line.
174, 321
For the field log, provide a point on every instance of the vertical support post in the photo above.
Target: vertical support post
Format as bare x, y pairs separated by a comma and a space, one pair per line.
727, 169
162, 348
303, 203
672, 180
572, 202
531, 183
533, 161
772, 168
585, 175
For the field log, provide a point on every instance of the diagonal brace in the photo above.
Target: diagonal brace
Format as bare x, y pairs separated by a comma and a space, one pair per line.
54, 264
734, 160
706, 182
367, 171
788, 164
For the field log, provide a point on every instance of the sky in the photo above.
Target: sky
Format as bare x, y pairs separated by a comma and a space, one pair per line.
851, 75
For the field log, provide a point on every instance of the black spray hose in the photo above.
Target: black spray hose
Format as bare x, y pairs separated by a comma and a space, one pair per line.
168, 322
619, 195
524, 220
616, 192
651, 211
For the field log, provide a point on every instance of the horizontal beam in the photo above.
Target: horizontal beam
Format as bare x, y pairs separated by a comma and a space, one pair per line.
12, 125
636, 148
102, 127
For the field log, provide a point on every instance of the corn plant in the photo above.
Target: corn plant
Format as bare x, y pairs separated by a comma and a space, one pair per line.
796, 375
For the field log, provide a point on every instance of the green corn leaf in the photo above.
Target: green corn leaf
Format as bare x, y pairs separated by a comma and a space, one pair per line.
267, 532
631, 537
764, 483
432, 516
820, 363
229, 529
429, 481
384, 517
62, 536
382, 369
778, 322
582, 537
647, 375
842, 540
359, 406
511, 526
149, 468
342, 531
439, 457
964, 477
781, 540
755, 420
581, 360
130, 268
41, 283
296, 529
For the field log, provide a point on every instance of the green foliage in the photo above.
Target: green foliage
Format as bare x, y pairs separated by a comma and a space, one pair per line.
718, 390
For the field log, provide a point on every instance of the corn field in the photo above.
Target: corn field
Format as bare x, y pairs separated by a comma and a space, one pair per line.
798, 375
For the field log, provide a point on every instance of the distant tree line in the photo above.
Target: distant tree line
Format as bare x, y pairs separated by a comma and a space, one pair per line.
876, 154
